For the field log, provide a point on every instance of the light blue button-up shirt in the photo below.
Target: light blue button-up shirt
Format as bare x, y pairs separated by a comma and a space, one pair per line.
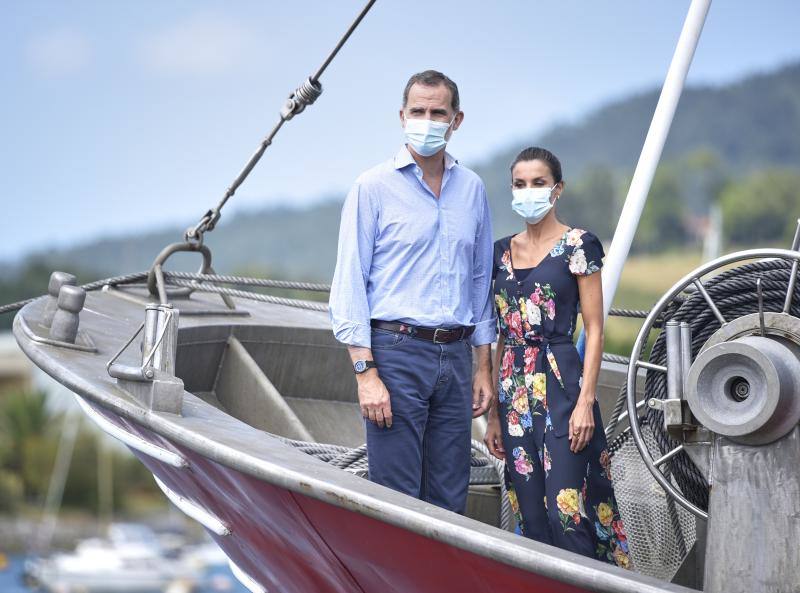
406, 255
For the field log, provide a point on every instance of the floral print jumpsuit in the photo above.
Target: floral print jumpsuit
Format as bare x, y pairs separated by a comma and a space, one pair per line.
558, 497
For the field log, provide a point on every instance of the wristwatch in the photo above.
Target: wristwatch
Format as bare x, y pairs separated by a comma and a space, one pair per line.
361, 366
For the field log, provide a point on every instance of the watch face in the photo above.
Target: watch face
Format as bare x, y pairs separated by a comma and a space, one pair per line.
360, 366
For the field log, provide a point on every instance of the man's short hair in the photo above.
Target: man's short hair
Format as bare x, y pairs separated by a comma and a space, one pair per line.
433, 78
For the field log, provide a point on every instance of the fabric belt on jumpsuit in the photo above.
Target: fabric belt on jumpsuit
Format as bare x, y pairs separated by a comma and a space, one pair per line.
543, 344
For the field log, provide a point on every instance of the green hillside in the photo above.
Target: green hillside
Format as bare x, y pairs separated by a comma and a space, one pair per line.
720, 136
750, 124
735, 129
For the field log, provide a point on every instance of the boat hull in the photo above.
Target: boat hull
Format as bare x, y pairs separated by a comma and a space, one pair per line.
288, 521
294, 543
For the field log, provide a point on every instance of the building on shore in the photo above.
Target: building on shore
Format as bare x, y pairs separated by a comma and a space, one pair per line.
16, 370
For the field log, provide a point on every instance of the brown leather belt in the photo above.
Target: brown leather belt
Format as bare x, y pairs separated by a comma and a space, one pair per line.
437, 335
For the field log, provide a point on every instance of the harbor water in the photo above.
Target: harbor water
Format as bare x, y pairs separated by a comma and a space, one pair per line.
216, 579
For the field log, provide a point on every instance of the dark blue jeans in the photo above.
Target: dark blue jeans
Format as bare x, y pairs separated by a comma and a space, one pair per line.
426, 452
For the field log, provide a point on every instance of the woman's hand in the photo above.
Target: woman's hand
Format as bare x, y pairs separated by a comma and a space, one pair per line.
493, 439
581, 425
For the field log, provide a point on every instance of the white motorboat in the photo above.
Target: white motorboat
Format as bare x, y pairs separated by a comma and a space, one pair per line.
129, 560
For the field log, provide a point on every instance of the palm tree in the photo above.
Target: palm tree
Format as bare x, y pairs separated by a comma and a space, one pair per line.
26, 446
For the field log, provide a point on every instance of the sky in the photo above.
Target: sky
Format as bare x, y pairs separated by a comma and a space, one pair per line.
123, 116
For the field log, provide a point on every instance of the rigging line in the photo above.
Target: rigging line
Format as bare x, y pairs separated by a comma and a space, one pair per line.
343, 40
249, 281
302, 97
254, 296
113, 281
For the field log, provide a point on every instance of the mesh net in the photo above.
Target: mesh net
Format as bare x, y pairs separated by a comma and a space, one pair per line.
660, 532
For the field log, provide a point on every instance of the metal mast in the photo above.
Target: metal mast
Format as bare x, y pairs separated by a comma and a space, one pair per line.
652, 149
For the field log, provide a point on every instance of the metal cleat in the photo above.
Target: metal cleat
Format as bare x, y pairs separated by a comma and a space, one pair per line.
64, 326
57, 280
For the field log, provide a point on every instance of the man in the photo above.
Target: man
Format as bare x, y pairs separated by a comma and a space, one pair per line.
410, 293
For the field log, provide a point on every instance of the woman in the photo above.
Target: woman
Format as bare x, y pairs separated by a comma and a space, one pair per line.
546, 421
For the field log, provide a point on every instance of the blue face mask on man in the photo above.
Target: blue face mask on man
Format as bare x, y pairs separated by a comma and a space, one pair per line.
425, 136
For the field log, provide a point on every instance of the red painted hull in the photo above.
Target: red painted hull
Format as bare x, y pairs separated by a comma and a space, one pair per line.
293, 543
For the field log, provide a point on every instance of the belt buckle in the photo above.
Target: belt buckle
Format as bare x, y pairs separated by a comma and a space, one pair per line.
436, 335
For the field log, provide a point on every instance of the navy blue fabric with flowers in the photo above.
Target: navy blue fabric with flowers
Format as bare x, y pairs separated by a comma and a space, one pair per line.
559, 497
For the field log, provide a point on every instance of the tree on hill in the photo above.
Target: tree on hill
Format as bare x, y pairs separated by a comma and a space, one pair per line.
762, 208
592, 202
663, 221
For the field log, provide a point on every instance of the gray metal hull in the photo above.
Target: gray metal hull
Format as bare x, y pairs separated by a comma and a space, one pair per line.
292, 522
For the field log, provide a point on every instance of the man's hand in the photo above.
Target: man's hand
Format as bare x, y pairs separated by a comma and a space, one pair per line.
482, 393
373, 397
482, 390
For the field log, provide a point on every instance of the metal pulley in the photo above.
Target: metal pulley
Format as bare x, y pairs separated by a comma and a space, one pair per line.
748, 389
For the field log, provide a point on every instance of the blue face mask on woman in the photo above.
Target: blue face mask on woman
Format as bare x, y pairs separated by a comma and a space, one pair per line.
532, 203
426, 137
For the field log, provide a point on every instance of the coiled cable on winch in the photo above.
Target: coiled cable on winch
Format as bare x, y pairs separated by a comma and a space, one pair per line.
734, 292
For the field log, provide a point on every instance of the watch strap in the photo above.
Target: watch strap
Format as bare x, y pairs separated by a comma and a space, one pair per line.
362, 366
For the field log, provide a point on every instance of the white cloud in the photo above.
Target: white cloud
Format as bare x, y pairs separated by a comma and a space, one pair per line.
202, 44
59, 53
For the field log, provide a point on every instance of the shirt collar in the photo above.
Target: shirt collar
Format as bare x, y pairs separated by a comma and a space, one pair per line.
403, 158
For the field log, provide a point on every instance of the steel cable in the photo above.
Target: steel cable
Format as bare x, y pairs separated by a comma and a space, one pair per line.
182, 278
253, 296
247, 281
608, 357
635, 313
113, 281
308, 92
619, 405
733, 291
506, 512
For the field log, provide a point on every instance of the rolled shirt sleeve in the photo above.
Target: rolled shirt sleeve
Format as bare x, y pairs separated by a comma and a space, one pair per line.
349, 305
482, 305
